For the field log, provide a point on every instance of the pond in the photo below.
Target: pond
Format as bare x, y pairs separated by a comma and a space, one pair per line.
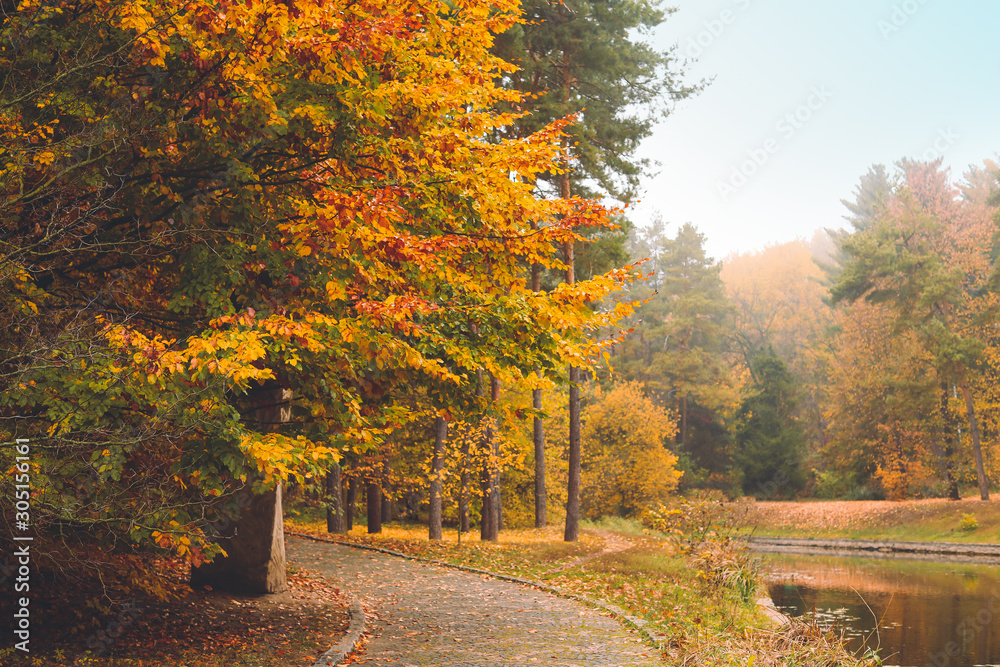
915, 613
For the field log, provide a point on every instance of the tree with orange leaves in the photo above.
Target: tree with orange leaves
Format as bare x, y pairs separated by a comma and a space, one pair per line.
926, 258
212, 211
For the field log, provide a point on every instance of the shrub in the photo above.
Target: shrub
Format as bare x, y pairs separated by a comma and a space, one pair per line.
968, 523
627, 466
705, 530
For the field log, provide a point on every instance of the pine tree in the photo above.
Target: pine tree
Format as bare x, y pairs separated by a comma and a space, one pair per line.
677, 347
582, 57
769, 441
587, 57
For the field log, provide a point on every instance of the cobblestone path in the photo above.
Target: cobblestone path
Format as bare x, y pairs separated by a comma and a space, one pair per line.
423, 615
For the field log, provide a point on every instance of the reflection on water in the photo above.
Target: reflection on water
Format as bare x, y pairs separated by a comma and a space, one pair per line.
916, 613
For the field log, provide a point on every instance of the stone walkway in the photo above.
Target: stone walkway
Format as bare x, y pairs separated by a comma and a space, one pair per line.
423, 615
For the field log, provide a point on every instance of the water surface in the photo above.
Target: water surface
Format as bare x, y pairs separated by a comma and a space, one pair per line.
915, 613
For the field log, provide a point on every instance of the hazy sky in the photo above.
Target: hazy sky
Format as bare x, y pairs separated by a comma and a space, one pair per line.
806, 96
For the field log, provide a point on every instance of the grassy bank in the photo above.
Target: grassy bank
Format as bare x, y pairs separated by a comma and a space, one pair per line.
932, 520
700, 603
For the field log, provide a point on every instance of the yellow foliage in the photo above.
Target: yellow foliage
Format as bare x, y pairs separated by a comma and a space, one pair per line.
901, 477
374, 217
627, 466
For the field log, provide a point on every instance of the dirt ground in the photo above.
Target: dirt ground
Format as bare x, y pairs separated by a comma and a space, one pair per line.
75, 625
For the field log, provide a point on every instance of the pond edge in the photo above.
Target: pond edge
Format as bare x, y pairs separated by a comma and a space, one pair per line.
946, 551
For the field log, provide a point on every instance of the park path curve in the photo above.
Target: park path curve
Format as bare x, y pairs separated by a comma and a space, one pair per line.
421, 615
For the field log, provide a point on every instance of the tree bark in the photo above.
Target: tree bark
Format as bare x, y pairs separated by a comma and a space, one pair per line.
463, 492
948, 441
977, 451
335, 496
255, 546
386, 508
538, 436
541, 499
255, 551
434, 528
499, 502
352, 502
487, 515
374, 506
386, 496
497, 499
572, 532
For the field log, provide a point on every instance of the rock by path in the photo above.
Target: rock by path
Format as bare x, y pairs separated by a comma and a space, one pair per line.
429, 615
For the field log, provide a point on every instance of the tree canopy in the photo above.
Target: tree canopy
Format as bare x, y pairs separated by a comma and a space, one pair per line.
589, 57
212, 209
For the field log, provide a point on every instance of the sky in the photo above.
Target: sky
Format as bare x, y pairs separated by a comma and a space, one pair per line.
804, 97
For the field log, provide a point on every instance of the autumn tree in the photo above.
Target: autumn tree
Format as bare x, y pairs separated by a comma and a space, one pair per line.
211, 216
694, 326
927, 258
587, 58
780, 301
435, 513
677, 347
590, 57
628, 465
882, 409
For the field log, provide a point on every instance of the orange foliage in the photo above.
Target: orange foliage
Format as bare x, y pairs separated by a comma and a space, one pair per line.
304, 195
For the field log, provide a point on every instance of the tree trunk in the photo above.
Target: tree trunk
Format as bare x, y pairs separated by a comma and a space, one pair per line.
488, 516
374, 506
572, 532
948, 441
434, 529
499, 502
977, 451
463, 492
386, 508
255, 546
496, 498
541, 499
352, 502
335, 496
386, 496
255, 551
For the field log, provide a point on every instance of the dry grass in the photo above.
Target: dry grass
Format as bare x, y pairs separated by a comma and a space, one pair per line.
934, 519
801, 644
